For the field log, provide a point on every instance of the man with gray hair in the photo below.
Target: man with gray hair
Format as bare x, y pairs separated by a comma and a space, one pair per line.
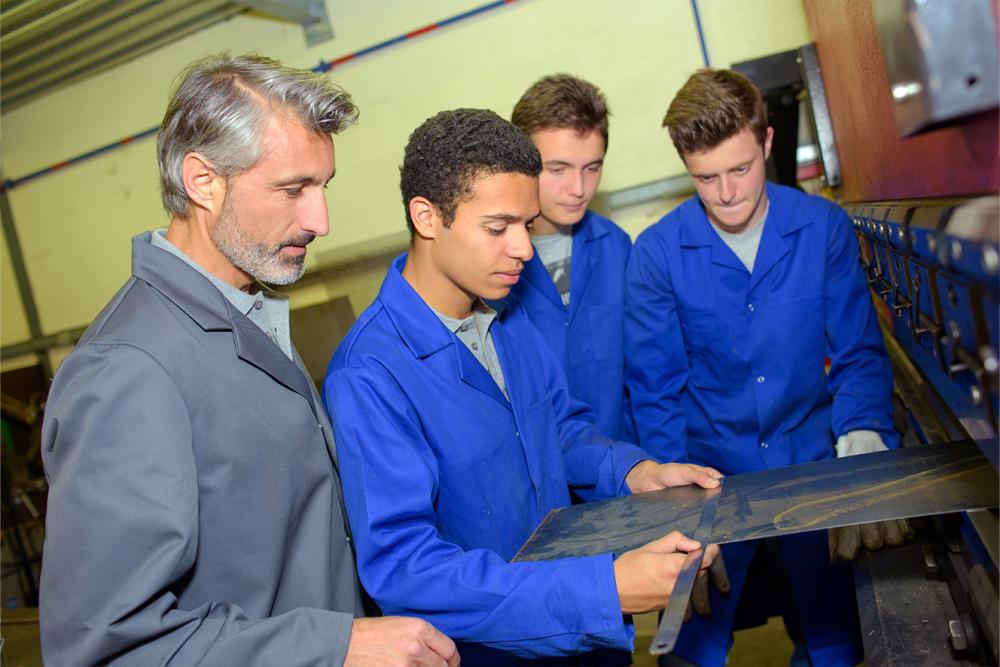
195, 512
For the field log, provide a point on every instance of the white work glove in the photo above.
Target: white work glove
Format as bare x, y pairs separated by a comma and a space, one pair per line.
859, 442
845, 542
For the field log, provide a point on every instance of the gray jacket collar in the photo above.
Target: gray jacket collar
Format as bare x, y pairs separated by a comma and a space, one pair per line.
202, 301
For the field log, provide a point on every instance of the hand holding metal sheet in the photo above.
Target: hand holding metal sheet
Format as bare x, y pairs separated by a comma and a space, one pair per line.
915, 481
846, 541
646, 576
648, 476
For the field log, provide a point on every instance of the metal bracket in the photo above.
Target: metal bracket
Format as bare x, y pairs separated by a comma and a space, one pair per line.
310, 14
822, 125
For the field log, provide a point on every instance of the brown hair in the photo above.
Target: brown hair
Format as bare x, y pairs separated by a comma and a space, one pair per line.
714, 105
562, 101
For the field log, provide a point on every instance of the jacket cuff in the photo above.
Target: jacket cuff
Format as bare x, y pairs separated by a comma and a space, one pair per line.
626, 457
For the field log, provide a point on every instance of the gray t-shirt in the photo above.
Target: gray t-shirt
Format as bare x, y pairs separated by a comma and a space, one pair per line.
555, 251
264, 307
474, 331
746, 243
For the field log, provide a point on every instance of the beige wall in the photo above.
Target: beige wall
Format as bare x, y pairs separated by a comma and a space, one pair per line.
13, 323
74, 224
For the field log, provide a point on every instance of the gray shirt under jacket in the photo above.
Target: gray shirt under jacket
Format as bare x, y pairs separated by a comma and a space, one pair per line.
474, 332
744, 244
556, 251
194, 510
262, 306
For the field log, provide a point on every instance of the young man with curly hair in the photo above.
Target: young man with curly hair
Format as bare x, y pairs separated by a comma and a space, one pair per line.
457, 433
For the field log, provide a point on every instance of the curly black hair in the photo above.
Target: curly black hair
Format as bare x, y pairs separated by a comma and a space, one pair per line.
449, 151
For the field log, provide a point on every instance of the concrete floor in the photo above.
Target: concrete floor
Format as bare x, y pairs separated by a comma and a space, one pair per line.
19, 630
763, 646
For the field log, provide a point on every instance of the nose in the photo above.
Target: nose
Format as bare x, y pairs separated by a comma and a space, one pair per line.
727, 190
576, 184
316, 219
519, 246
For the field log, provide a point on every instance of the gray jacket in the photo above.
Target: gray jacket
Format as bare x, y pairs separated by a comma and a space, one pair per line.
194, 513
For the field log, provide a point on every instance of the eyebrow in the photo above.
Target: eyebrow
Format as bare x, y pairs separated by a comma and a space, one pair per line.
563, 163
715, 173
509, 218
304, 178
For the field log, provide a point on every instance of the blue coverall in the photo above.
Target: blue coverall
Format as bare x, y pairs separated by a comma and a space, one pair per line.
726, 368
588, 337
444, 479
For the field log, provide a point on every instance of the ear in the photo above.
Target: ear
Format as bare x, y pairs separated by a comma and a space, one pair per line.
768, 138
426, 217
205, 188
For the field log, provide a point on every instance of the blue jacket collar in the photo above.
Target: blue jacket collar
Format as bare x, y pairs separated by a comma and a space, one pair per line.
424, 334
414, 320
587, 230
584, 232
697, 231
582, 268
416, 323
783, 219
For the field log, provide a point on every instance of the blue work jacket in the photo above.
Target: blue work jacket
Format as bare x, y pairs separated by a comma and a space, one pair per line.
588, 337
726, 368
444, 479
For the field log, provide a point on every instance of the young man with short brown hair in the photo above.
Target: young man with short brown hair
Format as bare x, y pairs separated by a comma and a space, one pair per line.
573, 289
735, 299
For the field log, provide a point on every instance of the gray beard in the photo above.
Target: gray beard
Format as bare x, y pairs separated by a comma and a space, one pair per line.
264, 263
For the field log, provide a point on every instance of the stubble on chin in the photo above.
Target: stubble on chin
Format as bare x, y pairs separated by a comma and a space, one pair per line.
265, 263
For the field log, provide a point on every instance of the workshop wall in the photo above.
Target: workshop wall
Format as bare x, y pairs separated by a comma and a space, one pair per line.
13, 322
74, 224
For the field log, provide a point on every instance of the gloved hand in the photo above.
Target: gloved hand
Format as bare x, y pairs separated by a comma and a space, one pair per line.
859, 442
845, 542
699, 592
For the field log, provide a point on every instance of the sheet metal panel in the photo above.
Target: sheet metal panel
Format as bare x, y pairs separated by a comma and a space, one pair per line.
902, 483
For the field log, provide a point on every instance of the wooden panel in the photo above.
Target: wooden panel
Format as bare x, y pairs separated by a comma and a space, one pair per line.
960, 159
